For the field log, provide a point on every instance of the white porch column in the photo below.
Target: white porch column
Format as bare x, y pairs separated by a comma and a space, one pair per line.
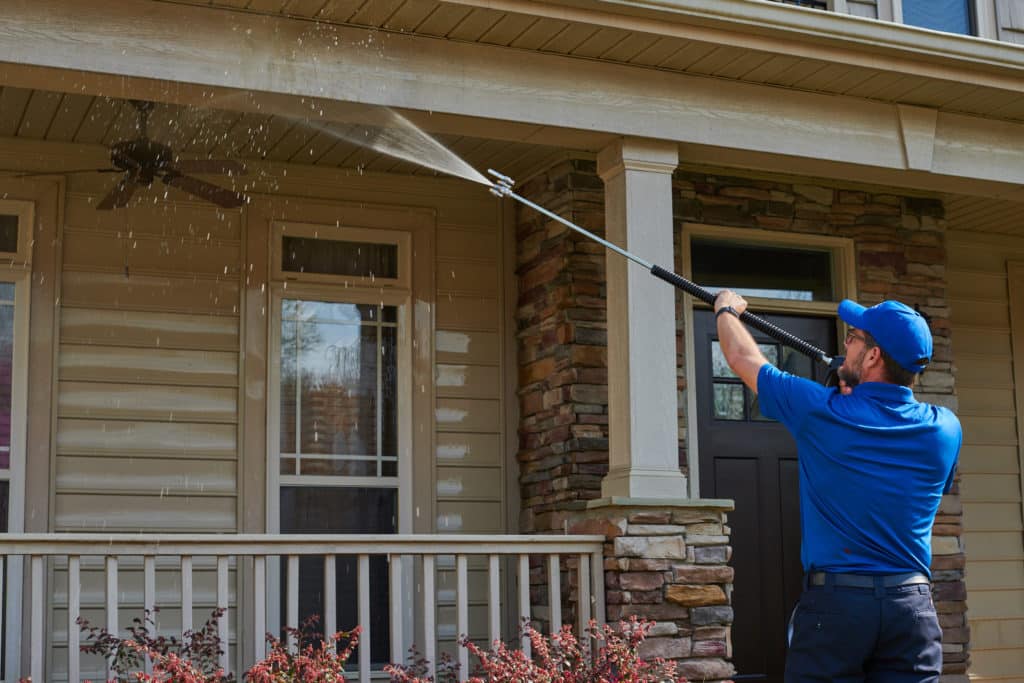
643, 421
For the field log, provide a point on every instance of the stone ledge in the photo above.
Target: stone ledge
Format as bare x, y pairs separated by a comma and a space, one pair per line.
690, 503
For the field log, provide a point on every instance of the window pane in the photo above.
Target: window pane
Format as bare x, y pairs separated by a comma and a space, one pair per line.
6, 367
336, 257
338, 388
796, 363
342, 510
952, 16
338, 371
8, 233
5, 499
728, 401
719, 366
289, 383
770, 272
389, 390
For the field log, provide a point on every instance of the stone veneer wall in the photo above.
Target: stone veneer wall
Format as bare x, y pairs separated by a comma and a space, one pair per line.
667, 563
900, 253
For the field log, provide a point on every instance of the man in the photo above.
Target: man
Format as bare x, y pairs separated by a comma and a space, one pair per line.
874, 463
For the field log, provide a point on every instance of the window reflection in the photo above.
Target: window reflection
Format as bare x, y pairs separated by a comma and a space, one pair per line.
339, 379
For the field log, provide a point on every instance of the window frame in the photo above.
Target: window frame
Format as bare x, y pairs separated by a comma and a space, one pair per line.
275, 480
844, 282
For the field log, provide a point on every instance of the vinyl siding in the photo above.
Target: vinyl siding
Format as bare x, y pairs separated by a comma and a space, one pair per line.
990, 460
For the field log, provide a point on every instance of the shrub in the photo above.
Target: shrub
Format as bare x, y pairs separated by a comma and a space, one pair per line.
561, 658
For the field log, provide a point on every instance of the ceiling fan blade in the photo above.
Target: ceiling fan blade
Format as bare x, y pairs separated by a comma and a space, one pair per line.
229, 199
121, 193
80, 170
209, 166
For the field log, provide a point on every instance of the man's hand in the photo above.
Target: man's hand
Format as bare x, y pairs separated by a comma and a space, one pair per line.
728, 297
739, 348
843, 389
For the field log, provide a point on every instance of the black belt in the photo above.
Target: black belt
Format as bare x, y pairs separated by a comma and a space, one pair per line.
867, 580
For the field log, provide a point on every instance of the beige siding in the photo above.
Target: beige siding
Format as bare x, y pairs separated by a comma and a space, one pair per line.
990, 460
148, 369
469, 467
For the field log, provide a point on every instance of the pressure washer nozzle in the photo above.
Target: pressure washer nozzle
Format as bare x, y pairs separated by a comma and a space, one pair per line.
503, 179
503, 186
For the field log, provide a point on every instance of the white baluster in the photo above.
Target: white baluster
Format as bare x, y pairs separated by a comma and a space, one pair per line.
74, 611
462, 612
524, 600
330, 596
222, 603
494, 598
186, 594
429, 615
38, 605
555, 593
259, 605
113, 626
364, 618
149, 598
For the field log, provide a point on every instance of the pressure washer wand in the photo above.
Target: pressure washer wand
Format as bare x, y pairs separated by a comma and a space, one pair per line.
503, 188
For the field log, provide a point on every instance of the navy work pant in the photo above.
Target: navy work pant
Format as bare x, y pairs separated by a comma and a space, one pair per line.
879, 635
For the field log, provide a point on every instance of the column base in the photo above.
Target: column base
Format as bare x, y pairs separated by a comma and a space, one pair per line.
634, 482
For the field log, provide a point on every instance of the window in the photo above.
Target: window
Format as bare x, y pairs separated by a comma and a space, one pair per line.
951, 16
763, 271
339, 439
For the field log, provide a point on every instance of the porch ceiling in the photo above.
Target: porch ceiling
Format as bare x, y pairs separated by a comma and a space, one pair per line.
981, 214
191, 131
556, 29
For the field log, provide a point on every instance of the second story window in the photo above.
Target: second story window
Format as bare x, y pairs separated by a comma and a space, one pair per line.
951, 16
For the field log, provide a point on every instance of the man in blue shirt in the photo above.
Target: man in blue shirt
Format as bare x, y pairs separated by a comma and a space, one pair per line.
874, 463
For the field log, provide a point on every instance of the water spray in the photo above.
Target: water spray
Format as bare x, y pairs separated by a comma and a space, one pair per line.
502, 187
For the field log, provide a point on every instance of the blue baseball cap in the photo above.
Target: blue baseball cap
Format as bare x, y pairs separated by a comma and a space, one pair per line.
901, 331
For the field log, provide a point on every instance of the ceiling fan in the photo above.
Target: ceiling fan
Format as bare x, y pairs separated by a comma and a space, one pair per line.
143, 160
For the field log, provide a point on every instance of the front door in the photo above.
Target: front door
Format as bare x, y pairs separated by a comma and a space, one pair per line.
752, 460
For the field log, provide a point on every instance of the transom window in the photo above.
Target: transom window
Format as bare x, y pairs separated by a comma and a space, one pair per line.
763, 271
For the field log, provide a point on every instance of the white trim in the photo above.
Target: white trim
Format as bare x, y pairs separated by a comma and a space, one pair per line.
339, 233
843, 282
14, 569
24, 210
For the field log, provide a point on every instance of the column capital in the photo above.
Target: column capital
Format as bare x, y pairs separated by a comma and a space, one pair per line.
637, 154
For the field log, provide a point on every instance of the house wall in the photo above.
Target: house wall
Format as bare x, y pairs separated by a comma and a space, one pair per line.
149, 423
983, 317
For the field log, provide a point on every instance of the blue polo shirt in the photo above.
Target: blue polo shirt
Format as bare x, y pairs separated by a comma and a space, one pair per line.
873, 467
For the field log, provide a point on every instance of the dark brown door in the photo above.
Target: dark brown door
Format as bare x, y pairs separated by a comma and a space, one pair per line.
752, 460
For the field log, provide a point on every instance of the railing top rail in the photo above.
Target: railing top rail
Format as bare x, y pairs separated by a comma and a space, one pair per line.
293, 544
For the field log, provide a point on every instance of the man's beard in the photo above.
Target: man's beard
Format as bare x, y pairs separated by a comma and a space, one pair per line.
850, 374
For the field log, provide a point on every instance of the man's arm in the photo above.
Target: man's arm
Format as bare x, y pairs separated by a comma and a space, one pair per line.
739, 348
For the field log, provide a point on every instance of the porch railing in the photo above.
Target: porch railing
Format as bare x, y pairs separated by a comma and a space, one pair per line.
36, 555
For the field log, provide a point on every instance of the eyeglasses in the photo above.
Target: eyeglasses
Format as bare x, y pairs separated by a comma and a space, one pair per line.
851, 335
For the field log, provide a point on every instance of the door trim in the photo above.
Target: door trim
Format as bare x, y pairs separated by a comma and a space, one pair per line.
1015, 290
844, 270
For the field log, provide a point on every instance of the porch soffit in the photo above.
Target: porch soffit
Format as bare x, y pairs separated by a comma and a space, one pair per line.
747, 40
474, 72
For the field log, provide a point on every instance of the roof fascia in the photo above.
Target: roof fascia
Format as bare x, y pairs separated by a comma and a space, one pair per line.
796, 31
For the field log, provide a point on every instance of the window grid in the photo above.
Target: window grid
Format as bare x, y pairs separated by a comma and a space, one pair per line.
379, 457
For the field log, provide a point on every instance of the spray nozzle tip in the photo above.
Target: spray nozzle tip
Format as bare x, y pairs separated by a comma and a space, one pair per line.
503, 186
502, 178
